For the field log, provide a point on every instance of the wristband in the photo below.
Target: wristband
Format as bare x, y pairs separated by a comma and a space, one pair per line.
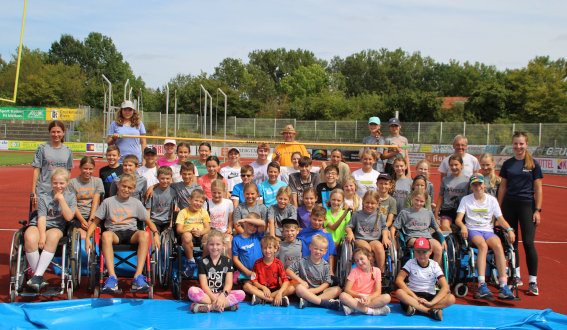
156, 232
512, 229
225, 293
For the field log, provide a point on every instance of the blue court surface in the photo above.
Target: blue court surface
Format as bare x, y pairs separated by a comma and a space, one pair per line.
167, 314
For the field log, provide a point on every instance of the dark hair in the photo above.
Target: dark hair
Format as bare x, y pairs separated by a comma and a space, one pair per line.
331, 167
184, 145
305, 161
274, 165
206, 144
342, 158
246, 168
187, 166
214, 159
87, 159
58, 123
113, 147
165, 170
457, 158
419, 177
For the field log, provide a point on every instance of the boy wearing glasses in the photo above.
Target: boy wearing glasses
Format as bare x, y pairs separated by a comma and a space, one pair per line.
247, 175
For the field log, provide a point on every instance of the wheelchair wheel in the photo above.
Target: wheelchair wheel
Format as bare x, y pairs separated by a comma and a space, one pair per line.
17, 240
12, 292
167, 250
461, 290
345, 261
75, 257
92, 267
393, 256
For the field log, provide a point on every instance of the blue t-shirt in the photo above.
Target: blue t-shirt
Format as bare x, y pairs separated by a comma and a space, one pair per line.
306, 235
303, 217
248, 249
238, 191
520, 186
128, 146
269, 192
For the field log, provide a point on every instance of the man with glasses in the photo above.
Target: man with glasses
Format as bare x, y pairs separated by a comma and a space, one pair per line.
470, 163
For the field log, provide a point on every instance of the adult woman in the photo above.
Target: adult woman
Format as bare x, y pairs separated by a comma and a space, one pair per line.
338, 161
127, 123
201, 163
49, 156
521, 179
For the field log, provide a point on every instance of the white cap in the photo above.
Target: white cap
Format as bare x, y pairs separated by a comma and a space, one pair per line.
169, 141
128, 104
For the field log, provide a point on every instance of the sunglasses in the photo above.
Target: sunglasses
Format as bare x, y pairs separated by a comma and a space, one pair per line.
246, 175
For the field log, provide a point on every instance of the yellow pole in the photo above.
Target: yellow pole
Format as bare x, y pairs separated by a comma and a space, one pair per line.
19, 57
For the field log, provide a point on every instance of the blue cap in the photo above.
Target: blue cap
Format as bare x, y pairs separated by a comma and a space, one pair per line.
477, 178
374, 120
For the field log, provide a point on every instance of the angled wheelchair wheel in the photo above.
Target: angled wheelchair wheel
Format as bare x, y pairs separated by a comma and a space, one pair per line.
74, 257
452, 252
461, 290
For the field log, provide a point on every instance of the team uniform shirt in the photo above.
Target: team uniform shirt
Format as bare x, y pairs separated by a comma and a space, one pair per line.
191, 220
430, 189
139, 192
164, 162
216, 274
489, 189
274, 212
340, 232
312, 273
238, 193
415, 224
478, 215
287, 150
128, 146
303, 217
324, 193
232, 176
242, 210
398, 141
183, 193
120, 215
201, 168
161, 205
150, 174
298, 186
371, 140
520, 186
247, 249
401, 191
51, 210
269, 192
422, 279
453, 189
289, 252
306, 236
344, 172
388, 206
107, 174
220, 214
362, 283
366, 226
470, 165
409, 203
47, 159
286, 171
365, 181
268, 275
84, 192
205, 182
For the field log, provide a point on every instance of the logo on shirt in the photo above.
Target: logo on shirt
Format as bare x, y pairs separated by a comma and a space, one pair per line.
232, 175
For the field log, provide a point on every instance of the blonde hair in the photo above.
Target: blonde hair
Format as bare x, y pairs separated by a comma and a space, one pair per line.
356, 201
215, 233
529, 163
198, 193
370, 152
131, 159
494, 179
336, 191
251, 185
130, 177
320, 240
426, 162
218, 184
419, 191
134, 121
284, 191
372, 194
61, 172
269, 240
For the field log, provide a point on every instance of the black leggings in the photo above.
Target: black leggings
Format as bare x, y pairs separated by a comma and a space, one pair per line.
522, 212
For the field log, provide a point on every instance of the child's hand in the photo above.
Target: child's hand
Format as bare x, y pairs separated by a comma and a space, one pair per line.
85, 224
350, 238
219, 303
267, 292
58, 198
325, 230
177, 208
364, 301
422, 301
87, 245
433, 206
157, 241
196, 232
42, 239
149, 192
277, 299
115, 136
464, 232
511, 236
386, 242
427, 303
305, 284
241, 222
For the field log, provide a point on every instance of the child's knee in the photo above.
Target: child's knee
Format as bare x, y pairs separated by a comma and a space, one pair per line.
107, 237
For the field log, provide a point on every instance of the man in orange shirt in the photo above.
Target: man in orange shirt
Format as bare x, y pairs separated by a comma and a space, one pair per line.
282, 152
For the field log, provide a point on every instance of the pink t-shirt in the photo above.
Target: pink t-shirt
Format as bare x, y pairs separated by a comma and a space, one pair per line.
163, 162
205, 183
363, 283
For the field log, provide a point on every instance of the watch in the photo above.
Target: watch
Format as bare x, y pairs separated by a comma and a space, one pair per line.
225, 293
539, 210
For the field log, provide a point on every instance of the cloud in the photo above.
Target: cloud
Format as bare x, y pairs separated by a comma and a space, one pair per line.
561, 37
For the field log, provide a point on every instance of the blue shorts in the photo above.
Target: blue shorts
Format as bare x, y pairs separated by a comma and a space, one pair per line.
484, 234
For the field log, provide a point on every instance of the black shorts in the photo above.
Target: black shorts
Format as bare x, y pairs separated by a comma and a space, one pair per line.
425, 295
452, 213
275, 289
124, 236
196, 240
161, 227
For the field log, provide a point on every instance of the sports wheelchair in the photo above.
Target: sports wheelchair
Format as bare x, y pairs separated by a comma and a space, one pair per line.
405, 253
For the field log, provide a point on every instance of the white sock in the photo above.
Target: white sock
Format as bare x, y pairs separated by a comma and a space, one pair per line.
481, 279
33, 258
43, 263
533, 279
518, 272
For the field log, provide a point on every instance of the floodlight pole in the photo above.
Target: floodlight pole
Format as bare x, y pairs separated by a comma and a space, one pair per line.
126, 88
107, 109
130, 94
167, 110
175, 130
220, 90
205, 112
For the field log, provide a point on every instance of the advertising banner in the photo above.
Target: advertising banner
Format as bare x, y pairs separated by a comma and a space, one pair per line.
22, 114
32, 145
94, 148
561, 166
4, 144
509, 150
548, 165
415, 157
60, 114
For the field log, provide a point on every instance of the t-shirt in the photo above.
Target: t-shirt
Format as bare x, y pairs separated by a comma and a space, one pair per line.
183, 193
242, 210
238, 193
287, 150
490, 189
84, 192
128, 146
191, 220
430, 189
139, 192
363, 283
416, 224
303, 217
312, 273
366, 226
298, 186
453, 189
340, 232
201, 168
470, 165
306, 235
232, 176
379, 164
247, 249
351, 203
344, 172
324, 193
401, 191
365, 181
220, 214
47, 159
409, 202
260, 172
164, 162
150, 174
176, 173
478, 215
274, 212
520, 185
289, 252
119, 215
422, 279
216, 274
286, 171
107, 174
268, 275
51, 210
205, 182
161, 205
398, 141
388, 206
269, 192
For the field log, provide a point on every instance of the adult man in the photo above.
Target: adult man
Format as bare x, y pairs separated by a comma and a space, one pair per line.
282, 152
470, 163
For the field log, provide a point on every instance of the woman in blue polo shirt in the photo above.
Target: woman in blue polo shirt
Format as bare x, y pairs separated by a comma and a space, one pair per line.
128, 122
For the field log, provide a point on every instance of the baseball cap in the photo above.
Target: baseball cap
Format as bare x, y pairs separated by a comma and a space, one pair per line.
289, 221
150, 149
394, 121
374, 120
169, 141
235, 149
384, 176
128, 104
477, 178
422, 244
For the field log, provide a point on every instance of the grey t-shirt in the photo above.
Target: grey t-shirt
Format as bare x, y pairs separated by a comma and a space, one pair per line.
289, 252
399, 141
366, 226
183, 193
379, 164
490, 190
402, 189
312, 273
51, 209
85, 191
388, 206
242, 211
430, 189
119, 215
160, 204
416, 224
453, 190
47, 159
274, 212
139, 192
298, 186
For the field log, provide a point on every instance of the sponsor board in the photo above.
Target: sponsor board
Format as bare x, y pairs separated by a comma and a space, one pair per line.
4, 144
548, 165
159, 148
551, 151
435, 159
60, 114
320, 154
94, 147
22, 114
561, 166
509, 150
415, 157
499, 160
32, 145
442, 149
425, 148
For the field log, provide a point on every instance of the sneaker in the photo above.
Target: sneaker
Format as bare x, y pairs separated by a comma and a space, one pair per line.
505, 293
140, 283
483, 291
348, 310
257, 301
515, 280
303, 303
532, 289
233, 308
111, 284
384, 310
37, 283
190, 270
410, 311
335, 304
200, 308
285, 301
435, 313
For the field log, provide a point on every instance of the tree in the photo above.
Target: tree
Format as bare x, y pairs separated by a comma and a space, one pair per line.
486, 103
305, 81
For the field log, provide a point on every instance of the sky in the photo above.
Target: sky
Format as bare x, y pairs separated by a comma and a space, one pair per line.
161, 39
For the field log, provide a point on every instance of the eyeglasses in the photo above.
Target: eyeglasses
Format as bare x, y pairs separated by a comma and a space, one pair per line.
246, 175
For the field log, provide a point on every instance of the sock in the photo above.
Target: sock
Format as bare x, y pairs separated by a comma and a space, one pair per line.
192, 260
324, 303
43, 263
481, 280
370, 311
518, 272
503, 281
33, 258
533, 279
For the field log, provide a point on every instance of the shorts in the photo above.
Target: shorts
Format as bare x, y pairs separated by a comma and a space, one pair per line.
197, 241
161, 227
484, 234
275, 289
124, 236
425, 295
450, 214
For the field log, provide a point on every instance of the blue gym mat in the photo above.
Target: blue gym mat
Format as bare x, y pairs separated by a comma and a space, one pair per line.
167, 314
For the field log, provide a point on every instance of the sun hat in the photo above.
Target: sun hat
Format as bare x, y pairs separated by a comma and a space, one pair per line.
289, 129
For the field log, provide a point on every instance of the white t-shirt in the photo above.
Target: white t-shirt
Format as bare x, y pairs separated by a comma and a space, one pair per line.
176, 176
351, 203
232, 176
422, 279
365, 181
219, 214
149, 173
470, 165
478, 216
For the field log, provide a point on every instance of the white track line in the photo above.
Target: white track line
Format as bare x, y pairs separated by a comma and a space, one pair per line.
9, 229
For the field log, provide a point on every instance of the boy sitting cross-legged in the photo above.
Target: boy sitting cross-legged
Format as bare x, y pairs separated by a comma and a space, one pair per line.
314, 277
317, 218
290, 250
121, 214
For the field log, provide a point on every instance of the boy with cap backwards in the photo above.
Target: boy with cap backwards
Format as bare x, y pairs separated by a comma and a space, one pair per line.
375, 138
283, 152
419, 292
392, 153
169, 158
